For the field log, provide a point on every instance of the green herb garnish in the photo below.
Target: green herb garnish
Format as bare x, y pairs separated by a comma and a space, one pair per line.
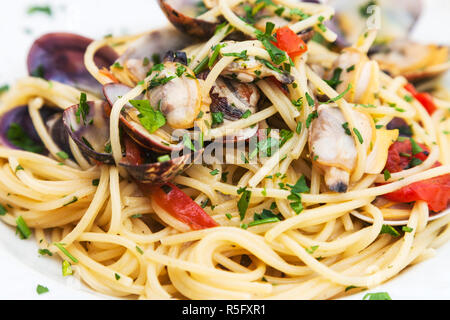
244, 201
41, 289
18, 137
150, 118
22, 228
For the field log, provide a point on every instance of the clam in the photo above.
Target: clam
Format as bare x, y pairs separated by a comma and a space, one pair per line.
332, 146
87, 124
352, 18
141, 55
183, 15
235, 100
414, 61
89, 129
130, 122
355, 69
176, 92
250, 68
17, 130
60, 57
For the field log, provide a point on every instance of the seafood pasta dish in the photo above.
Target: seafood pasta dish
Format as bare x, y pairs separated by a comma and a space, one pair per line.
250, 149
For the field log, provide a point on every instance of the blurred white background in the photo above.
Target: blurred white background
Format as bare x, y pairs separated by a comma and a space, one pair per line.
20, 267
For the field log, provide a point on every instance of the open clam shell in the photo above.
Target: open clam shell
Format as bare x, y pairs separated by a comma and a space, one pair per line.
182, 14
415, 61
60, 57
160, 172
17, 130
352, 18
148, 50
132, 126
88, 126
235, 100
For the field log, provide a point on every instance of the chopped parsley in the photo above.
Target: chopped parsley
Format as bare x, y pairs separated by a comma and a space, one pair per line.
40, 9
377, 296
63, 155
300, 13
387, 175
41, 289
408, 98
311, 249
346, 129
266, 216
18, 137
244, 201
164, 158
407, 229
74, 199
298, 103
350, 69
389, 230
217, 118
277, 55
4, 88
60, 246
22, 228
334, 81
215, 54
313, 115
150, 118
242, 55
156, 82
298, 128
3, 210
138, 249
180, 70
246, 114
117, 65
364, 9
269, 65
214, 172
415, 148
415, 162
44, 252
39, 72
295, 196
358, 135
201, 66
309, 99
187, 142
340, 96
83, 109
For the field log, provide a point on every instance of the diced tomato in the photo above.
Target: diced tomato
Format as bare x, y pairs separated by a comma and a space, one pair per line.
289, 41
400, 155
435, 192
423, 97
181, 206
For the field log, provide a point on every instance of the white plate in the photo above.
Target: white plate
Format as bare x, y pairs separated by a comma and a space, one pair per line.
21, 267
